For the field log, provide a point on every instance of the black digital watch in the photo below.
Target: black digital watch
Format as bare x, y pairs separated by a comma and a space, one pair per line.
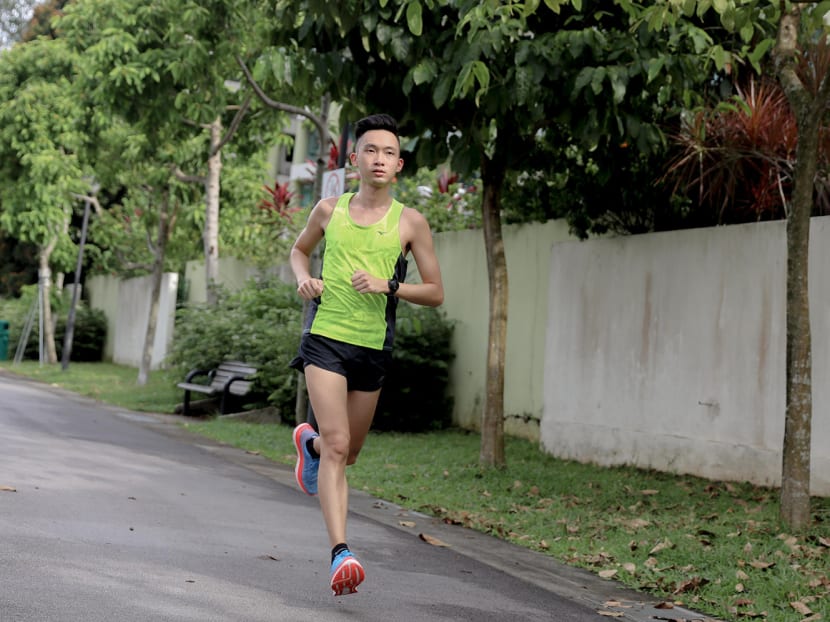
393, 286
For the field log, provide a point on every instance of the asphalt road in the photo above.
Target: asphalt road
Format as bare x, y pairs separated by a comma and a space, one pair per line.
117, 516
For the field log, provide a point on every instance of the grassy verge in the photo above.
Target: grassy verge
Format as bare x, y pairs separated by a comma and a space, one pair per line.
113, 384
712, 546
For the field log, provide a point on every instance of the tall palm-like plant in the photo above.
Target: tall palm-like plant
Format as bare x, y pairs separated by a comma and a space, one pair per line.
736, 159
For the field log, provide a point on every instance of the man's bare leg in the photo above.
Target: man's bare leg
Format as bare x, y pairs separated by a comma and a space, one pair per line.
343, 420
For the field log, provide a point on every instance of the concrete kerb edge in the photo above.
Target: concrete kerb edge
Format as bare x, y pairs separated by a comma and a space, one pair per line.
603, 595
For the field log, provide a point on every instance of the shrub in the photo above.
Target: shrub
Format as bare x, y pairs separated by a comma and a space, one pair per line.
88, 336
415, 396
258, 324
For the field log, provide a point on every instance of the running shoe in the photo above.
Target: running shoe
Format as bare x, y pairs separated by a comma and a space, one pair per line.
306, 469
346, 574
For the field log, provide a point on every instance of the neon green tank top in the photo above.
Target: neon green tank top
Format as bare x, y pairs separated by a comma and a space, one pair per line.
343, 313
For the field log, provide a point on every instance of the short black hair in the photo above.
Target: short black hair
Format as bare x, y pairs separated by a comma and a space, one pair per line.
376, 122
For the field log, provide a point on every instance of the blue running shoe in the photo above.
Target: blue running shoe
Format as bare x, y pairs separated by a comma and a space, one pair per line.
307, 467
346, 574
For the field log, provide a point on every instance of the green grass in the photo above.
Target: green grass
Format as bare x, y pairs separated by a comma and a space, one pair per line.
113, 384
715, 547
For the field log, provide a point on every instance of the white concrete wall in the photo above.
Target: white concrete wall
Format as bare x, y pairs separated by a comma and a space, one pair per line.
667, 351
102, 292
467, 303
127, 307
232, 274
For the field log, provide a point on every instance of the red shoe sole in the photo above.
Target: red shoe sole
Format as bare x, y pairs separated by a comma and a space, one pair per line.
347, 577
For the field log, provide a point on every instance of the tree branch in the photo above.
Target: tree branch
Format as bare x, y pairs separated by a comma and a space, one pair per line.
237, 120
325, 139
189, 179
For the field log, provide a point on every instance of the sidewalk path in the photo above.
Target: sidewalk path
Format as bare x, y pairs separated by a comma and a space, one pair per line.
119, 516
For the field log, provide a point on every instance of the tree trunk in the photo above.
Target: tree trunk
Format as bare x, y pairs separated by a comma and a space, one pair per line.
47, 325
492, 421
155, 294
211, 232
808, 108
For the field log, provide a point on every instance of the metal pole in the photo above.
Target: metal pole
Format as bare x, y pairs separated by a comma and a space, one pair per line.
344, 144
76, 288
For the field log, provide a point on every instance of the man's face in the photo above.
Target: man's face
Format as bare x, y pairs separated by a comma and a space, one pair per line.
377, 157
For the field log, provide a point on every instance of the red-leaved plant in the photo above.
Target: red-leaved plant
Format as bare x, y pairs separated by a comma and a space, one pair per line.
738, 157
278, 202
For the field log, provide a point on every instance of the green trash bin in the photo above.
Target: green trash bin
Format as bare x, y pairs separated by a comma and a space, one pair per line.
4, 340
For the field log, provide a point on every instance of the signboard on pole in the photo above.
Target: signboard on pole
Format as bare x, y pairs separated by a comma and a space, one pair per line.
334, 183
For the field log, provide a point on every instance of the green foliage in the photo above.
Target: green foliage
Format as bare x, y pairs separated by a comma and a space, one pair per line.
88, 336
40, 141
415, 394
450, 206
259, 324
18, 265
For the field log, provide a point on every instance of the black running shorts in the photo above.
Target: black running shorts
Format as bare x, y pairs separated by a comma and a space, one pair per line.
364, 368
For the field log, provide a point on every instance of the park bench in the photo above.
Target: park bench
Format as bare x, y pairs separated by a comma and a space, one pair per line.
229, 381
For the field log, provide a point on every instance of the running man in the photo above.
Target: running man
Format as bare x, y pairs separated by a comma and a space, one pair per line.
346, 347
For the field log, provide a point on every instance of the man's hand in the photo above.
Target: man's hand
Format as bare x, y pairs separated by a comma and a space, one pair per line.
309, 289
365, 283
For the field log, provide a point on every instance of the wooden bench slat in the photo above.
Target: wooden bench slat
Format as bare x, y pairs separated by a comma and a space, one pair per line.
230, 377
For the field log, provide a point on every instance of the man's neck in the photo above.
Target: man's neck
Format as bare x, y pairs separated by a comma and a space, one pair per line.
370, 197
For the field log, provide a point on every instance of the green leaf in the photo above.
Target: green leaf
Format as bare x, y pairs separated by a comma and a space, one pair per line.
414, 18
442, 91
759, 52
585, 76
597, 80
554, 5
425, 71
655, 67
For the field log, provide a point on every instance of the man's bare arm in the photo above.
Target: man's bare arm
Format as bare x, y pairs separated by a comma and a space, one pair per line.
309, 287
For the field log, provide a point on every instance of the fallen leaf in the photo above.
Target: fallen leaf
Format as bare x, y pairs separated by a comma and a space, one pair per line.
649, 492
269, 557
801, 608
661, 546
743, 602
607, 574
630, 568
664, 605
739, 587
8, 489
741, 575
691, 585
757, 563
812, 618
544, 545
253, 452
637, 523
406, 523
431, 540
610, 614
